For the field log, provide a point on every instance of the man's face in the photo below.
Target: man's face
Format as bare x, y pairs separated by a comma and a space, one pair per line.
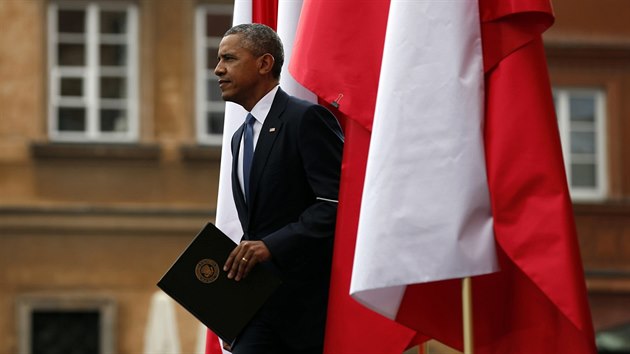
238, 71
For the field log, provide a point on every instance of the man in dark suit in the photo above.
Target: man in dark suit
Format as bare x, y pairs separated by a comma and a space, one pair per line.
286, 197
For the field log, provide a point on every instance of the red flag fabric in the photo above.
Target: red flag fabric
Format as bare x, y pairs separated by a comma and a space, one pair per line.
213, 345
337, 55
537, 302
352, 328
265, 12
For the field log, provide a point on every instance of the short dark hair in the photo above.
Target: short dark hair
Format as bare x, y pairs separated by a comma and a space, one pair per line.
261, 39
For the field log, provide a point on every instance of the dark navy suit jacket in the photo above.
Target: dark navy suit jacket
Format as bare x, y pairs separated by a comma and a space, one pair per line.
294, 180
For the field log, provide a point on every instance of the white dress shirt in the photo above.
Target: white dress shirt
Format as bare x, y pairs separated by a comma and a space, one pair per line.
260, 112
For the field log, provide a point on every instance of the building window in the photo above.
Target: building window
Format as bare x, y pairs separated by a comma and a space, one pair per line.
581, 119
93, 74
65, 324
614, 340
211, 23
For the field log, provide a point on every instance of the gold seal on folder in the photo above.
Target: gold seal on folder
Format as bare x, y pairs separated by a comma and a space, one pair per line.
207, 270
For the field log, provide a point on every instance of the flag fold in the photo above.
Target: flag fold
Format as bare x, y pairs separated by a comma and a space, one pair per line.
426, 164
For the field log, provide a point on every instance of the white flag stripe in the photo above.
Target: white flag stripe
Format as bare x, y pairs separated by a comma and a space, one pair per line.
243, 11
227, 217
425, 212
288, 18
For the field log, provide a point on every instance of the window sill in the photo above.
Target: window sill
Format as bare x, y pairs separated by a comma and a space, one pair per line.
200, 153
95, 151
603, 208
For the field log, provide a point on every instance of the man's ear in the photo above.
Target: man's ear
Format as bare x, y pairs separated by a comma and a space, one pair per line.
265, 63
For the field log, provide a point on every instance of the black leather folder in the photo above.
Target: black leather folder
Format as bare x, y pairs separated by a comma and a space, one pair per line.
197, 282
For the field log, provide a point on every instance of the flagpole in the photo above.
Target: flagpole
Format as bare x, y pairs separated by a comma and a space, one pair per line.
467, 315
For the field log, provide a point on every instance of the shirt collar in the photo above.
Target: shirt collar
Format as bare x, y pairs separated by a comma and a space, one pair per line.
262, 108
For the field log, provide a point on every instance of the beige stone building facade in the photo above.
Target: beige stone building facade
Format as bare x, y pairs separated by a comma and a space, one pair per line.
588, 53
110, 130
104, 174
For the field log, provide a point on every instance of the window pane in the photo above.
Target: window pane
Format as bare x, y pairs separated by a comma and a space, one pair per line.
92, 42
113, 22
71, 86
113, 120
582, 109
113, 55
614, 340
583, 175
113, 87
71, 21
583, 142
71, 54
211, 55
65, 332
216, 25
71, 119
213, 90
215, 122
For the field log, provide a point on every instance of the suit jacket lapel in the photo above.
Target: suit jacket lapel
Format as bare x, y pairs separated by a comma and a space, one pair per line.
237, 192
268, 134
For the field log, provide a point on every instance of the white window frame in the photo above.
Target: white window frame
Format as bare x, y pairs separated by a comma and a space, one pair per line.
203, 73
562, 97
27, 304
91, 72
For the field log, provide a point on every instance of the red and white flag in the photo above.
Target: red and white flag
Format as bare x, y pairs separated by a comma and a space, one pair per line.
425, 214
451, 125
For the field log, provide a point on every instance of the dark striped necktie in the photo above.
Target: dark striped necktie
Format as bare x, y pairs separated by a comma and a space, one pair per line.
248, 151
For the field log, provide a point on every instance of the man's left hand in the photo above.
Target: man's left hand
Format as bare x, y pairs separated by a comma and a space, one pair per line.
244, 257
